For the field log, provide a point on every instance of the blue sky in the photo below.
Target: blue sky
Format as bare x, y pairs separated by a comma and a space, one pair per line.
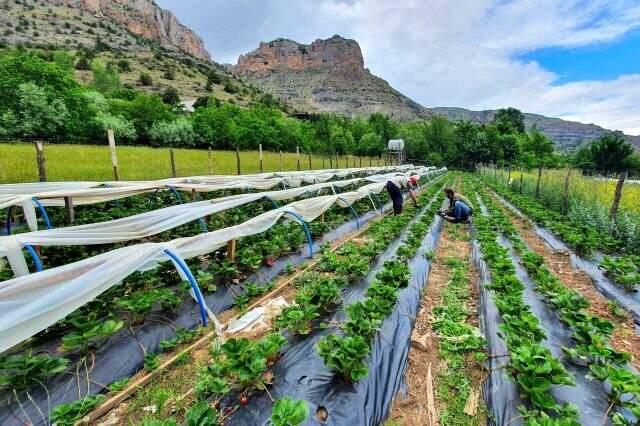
574, 59
600, 61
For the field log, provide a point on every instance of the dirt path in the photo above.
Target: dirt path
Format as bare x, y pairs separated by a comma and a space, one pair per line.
427, 371
624, 337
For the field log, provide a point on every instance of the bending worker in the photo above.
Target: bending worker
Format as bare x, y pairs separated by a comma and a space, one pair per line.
394, 188
460, 208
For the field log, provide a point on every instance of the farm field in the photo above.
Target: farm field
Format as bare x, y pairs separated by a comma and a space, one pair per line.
462, 317
66, 162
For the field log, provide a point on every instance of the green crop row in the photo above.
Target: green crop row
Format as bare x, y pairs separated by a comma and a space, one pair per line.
346, 353
590, 333
532, 366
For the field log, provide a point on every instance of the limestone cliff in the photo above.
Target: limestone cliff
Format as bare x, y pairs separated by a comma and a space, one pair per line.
146, 19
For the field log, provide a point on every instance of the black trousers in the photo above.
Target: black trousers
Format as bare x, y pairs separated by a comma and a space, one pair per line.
396, 197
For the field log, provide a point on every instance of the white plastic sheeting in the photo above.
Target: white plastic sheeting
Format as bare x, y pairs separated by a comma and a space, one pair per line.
154, 222
82, 193
31, 303
53, 193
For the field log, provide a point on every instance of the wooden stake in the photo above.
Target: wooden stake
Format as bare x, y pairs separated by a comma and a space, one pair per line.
173, 163
210, 162
309, 160
323, 161
360, 161
509, 176
565, 195
231, 250
298, 156
42, 172
68, 207
238, 161
280, 160
260, 148
331, 162
618, 195
521, 176
193, 195
114, 157
538, 182
370, 161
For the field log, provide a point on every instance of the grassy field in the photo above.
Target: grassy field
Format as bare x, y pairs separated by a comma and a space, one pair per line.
92, 162
581, 188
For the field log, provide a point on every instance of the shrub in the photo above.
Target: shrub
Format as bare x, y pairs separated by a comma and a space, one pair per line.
145, 79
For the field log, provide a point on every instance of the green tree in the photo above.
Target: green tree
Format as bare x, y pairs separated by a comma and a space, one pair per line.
509, 120
174, 133
610, 152
64, 60
122, 128
171, 96
39, 115
105, 78
383, 126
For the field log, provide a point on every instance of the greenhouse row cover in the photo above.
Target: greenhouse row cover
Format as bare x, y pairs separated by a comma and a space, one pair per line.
153, 222
31, 303
83, 193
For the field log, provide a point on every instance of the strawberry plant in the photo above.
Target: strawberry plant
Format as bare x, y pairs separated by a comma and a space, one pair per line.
22, 371
206, 281
89, 334
201, 414
289, 412
345, 355
140, 303
296, 319
151, 361
69, 414
624, 270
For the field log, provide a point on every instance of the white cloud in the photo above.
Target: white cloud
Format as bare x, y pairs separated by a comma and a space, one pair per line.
451, 52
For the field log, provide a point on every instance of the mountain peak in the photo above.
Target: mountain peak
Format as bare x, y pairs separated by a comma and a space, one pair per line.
280, 55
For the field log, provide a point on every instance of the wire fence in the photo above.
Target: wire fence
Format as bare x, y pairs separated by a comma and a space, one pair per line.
32, 161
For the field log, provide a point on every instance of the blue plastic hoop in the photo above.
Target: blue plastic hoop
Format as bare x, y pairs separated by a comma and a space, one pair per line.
306, 230
192, 280
203, 226
9, 210
355, 214
275, 205
35, 257
45, 216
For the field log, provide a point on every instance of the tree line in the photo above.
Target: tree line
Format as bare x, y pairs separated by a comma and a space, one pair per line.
40, 99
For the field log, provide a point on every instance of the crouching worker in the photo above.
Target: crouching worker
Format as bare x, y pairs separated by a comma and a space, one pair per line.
460, 208
394, 188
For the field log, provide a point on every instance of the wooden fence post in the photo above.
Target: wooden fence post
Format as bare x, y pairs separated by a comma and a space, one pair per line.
337, 161
521, 175
330, 161
360, 161
238, 161
42, 171
114, 157
370, 161
323, 161
210, 162
509, 176
565, 195
174, 173
538, 182
261, 169
280, 160
309, 161
231, 250
618, 195
298, 156
68, 207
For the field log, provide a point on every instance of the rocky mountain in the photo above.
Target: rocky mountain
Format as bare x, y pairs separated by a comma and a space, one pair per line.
329, 76
146, 19
568, 135
324, 76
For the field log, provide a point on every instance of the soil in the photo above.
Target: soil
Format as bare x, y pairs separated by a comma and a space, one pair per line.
624, 337
180, 380
417, 407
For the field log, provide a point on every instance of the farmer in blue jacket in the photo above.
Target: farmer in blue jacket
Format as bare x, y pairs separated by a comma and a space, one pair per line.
460, 208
